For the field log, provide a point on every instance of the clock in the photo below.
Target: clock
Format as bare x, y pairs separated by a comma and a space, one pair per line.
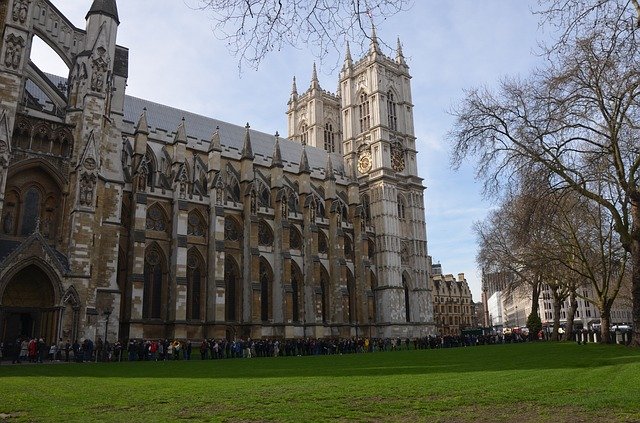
397, 158
364, 162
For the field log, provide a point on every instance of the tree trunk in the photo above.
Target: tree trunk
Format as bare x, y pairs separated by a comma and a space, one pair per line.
557, 307
573, 306
535, 296
605, 324
635, 270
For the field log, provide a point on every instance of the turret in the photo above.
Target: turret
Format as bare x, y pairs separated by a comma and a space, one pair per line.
315, 84
215, 152
247, 157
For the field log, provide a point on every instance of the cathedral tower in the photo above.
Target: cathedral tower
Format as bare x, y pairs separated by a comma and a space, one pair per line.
314, 117
379, 148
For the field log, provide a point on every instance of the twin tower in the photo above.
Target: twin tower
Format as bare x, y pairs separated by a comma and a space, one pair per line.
124, 218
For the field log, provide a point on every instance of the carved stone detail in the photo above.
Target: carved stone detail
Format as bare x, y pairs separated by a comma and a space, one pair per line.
13, 53
87, 189
20, 11
99, 66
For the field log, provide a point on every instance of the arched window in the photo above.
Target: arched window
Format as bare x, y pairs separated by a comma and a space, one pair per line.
365, 116
407, 309
151, 168
233, 191
10, 212
231, 229
232, 291
265, 234
31, 211
296, 282
195, 224
402, 207
324, 295
372, 249
366, 209
304, 131
351, 293
348, 248
323, 243
329, 138
195, 273
373, 284
391, 111
266, 277
153, 284
295, 239
156, 220
293, 203
264, 196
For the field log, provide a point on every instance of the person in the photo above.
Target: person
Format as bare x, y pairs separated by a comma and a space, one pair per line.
53, 352
33, 350
67, 348
204, 349
187, 351
41, 350
176, 349
24, 349
18, 351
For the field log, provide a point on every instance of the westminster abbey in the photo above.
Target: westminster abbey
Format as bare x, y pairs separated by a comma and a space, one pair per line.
138, 220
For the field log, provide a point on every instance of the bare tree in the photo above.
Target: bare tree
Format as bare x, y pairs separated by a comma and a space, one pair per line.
588, 250
254, 28
577, 120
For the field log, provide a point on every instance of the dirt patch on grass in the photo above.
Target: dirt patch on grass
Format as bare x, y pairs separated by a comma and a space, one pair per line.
528, 413
8, 416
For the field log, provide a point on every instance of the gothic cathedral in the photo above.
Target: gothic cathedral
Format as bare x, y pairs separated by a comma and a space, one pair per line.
131, 219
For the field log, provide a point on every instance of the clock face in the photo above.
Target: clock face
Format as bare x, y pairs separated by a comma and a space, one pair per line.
397, 159
364, 162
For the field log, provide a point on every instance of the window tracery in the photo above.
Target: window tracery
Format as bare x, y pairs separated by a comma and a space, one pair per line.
196, 225
156, 220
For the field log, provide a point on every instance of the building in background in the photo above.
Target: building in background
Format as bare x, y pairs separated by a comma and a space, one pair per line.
453, 304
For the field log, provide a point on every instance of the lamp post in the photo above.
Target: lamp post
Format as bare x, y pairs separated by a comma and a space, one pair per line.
517, 319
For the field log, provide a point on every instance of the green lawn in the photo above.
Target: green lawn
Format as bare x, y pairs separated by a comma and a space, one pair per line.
501, 383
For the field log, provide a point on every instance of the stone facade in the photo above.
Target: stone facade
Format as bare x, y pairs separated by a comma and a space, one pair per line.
454, 309
130, 218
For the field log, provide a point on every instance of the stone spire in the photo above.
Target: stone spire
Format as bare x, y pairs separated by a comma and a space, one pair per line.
294, 90
181, 133
304, 161
104, 7
214, 145
315, 84
348, 62
247, 151
399, 54
142, 127
329, 175
276, 160
374, 47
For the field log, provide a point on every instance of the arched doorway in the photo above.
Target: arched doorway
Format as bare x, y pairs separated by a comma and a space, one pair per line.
28, 307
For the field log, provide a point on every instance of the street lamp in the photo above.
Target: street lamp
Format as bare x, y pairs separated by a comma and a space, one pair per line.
517, 320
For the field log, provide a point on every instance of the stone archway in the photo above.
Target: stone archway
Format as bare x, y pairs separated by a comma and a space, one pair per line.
29, 306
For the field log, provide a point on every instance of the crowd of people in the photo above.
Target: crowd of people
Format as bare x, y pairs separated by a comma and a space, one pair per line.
37, 351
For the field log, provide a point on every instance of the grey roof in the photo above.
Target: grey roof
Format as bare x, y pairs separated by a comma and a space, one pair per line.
161, 118
104, 7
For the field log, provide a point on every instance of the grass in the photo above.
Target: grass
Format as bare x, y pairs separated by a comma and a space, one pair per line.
503, 383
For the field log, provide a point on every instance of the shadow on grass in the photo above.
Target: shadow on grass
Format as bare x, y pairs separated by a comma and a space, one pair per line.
493, 358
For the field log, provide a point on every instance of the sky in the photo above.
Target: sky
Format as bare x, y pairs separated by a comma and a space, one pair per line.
450, 46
